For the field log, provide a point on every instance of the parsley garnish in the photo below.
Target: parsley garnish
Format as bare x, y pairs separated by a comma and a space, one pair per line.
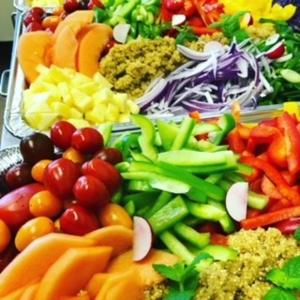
183, 278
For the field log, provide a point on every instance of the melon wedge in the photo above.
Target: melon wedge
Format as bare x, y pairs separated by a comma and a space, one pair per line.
29, 293
34, 261
95, 284
118, 237
144, 268
82, 17
72, 271
92, 41
32, 51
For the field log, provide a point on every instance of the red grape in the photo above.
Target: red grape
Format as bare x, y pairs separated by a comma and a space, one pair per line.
18, 175
111, 155
34, 26
71, 5
61, 134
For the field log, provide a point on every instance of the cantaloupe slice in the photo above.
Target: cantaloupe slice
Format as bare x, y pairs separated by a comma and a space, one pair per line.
31, 52
79, 297
65, 47
128, 279
29, 293
83, 17
18, 293
34, 261
118, 237
144, 268
92, 41
95, 284
72, 271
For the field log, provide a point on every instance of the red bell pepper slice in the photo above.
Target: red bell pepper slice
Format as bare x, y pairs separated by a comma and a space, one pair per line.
291, 179
271, 218
252, 212
244, 131
288, 226
190, 9
292, 141
203, 30
255, 185
276, 152
165, 14
274, 175
269, 189
209, 10
218, 239
195, 22
236, 143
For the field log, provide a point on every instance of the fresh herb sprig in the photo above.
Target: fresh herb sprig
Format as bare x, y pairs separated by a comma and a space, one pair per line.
184, 279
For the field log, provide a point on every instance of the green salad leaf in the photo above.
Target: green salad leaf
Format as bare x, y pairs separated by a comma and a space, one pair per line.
297, 234
279, 294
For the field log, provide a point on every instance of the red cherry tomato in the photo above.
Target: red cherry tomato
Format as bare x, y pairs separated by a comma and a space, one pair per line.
34, 26
37, 12
60, 176
18, 175
31, 17
111, 155
78, 220
14, 206
87, 140
61, 134
104, 171
90, 191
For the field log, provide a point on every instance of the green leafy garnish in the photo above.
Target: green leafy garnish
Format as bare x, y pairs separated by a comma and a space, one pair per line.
279, 294
185, 35
184, 279
297, 234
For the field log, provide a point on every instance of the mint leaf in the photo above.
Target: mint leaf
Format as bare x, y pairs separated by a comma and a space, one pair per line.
279, 294
282, 279
178, 295
297, 234
292, 267
174, 273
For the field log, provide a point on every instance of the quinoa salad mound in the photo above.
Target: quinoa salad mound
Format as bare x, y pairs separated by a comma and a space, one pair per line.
245, 277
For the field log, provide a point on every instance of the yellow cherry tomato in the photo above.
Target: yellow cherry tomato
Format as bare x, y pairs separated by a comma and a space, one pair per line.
114, 214
74, 155
32, 230
37, 171
5, 236
45, 204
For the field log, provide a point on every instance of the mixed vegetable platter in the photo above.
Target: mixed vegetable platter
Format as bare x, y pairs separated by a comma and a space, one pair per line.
162, 203
100, 62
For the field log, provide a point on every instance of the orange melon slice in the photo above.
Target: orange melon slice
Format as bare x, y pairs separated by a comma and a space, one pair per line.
82, 17
118, 237
34, 261
92, 41
72, 271
144, 268
95, 284
29, 293
79, 297
32, 51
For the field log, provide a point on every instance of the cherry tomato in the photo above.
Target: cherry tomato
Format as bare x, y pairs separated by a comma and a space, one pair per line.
36, 147
14, 206
32, 230
90, 192
105, 172
114, 214
95, 3
87, 140
37, 171
60, 176
111, 155
5, 236
70, 202
18, 175
37, 11
61, 134
45, 204
51, 22
74, 155
30, 17
78, 220
34, 26
71, 5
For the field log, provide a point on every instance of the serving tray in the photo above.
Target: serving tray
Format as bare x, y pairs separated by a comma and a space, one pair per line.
22, 6
15, 124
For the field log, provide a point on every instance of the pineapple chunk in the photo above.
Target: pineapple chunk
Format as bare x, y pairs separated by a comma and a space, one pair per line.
41, 121
61, 109
79, 123
83, 102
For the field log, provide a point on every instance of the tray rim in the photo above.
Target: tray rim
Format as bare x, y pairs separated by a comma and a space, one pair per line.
20, 5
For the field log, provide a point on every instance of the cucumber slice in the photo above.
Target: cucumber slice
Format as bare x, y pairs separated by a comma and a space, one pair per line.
290, 75
220, 252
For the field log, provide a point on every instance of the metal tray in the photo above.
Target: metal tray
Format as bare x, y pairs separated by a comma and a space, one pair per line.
22, 5
15, 124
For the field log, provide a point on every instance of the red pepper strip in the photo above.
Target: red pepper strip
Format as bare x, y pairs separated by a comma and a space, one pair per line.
270, 122
190, 9
291, 179
236, 143
292, 141
218, 239
276, 204
244, 131
210, 227
269, 189
252, 212
274, 175
271, 218
256, 175
276, 152
165, 14
288, 226
195, 21
203, 30
255, 185
195, 115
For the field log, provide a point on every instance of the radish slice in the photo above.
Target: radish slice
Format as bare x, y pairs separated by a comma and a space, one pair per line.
214, 47
276, 51
178, 20
272, 39
120, 32
236, 201
246, 20
284, 58
142, 238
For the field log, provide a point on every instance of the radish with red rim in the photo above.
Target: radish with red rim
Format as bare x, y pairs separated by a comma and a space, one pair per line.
142, 238
276, 51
